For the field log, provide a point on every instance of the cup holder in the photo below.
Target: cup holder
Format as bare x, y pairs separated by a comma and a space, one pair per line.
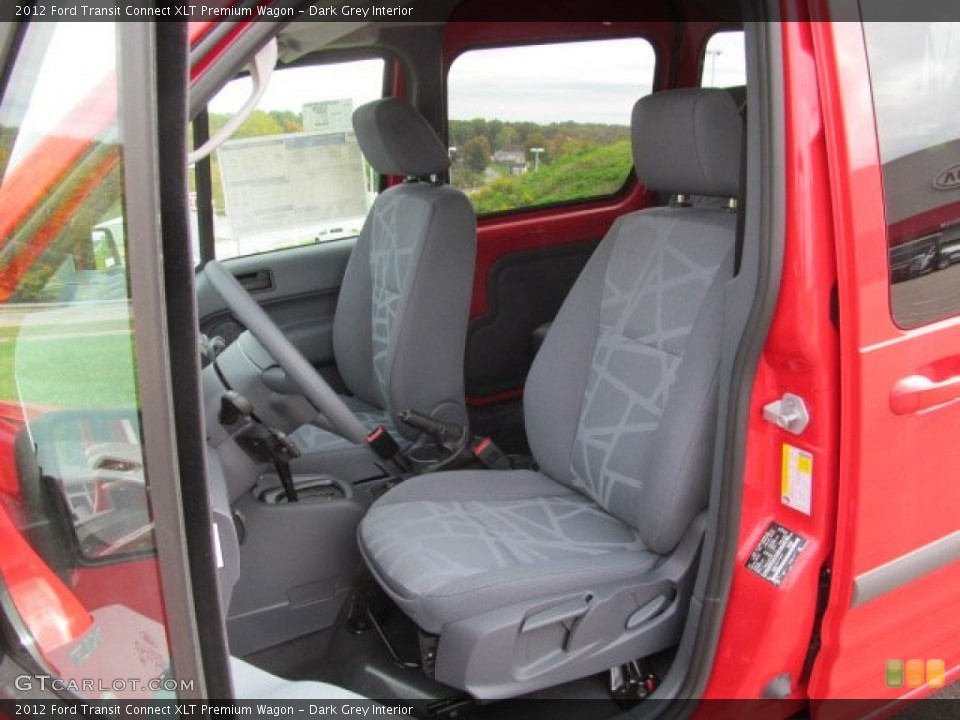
310, 489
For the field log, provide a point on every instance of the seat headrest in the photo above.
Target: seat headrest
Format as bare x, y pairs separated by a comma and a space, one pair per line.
687, 141
397, 140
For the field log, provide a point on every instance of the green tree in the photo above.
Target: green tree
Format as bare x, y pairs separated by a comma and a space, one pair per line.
463, 177
289, 121
535, 139
476, 153
259, 124
506, 137
8, 136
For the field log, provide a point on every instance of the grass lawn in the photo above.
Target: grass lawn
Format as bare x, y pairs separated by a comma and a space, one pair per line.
590, 173
76, 361
8, 390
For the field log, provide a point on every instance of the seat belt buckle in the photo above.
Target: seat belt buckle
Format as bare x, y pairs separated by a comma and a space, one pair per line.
489, 454
382, 443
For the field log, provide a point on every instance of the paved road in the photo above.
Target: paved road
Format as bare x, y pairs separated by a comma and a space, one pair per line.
928, 297
945, 705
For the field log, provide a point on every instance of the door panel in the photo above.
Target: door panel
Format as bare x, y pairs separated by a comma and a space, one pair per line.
525, 266
896, 572
302, 300
524, 290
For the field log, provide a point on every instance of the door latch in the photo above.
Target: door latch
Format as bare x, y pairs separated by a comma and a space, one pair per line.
789, 412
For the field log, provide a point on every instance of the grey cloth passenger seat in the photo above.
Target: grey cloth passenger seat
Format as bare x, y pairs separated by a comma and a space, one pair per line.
532, 578
400, 327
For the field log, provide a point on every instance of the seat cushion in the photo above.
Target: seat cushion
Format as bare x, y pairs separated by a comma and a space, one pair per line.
448, 546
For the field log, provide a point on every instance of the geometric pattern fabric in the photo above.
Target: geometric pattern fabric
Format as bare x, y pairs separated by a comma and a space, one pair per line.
651, 297
391, 258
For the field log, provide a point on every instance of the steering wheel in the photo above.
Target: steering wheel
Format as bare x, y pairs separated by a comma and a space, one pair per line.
291, 360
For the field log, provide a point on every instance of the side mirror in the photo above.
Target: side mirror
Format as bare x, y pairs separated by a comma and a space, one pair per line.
89, 500
107, 508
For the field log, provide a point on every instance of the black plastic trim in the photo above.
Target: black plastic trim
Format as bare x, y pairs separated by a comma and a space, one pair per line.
765, 205
204, 184
178, 276
502, 316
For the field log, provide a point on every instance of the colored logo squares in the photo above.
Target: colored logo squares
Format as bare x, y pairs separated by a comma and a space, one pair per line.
916, 673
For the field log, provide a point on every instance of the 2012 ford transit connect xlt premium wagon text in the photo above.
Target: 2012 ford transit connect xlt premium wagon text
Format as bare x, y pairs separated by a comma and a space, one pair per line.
552, 359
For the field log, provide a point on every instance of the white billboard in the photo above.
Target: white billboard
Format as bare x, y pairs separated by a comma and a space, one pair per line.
328, 116
284, 189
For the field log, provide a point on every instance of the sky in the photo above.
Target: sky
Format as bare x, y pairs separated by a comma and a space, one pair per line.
590, 82
725, 62
291, 88
595, 82
65, 77
584, 82
917, 100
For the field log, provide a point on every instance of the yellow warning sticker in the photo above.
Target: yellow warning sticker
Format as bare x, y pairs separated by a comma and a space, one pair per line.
796, 479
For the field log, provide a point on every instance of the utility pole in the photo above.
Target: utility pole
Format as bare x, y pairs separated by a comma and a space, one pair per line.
714, 54
536, 157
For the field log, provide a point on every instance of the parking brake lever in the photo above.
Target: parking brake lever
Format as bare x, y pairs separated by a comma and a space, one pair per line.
444, 433
457, 440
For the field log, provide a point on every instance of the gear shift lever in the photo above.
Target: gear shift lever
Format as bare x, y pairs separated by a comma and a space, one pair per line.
260, 441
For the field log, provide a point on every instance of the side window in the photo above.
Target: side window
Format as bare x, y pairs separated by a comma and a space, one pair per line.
724, 61
915, 75
543, 124
78, 564
293, 174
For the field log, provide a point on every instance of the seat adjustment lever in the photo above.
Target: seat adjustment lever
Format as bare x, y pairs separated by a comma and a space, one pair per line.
569, 610
647, 612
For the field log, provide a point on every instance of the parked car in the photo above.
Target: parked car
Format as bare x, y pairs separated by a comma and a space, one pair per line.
723, 471
948, 251
912, 259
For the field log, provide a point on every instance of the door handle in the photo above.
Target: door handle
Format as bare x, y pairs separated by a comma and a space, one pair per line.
918, 392
256, 281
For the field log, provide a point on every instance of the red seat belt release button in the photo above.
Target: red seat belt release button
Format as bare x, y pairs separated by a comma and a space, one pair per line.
489, 454
382, 443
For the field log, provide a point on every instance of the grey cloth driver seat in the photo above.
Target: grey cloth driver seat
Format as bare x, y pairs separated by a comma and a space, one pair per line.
400, 326
525, 579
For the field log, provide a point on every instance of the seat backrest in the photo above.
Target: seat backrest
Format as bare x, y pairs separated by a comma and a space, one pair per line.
401, 321
621, 400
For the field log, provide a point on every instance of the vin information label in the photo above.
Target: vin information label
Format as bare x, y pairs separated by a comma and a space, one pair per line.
776, 553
